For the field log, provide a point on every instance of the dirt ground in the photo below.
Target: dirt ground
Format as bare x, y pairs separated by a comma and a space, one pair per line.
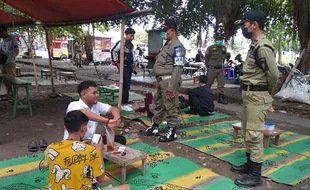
47, 123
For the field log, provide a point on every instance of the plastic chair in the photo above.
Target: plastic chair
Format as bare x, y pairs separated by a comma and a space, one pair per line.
229, 74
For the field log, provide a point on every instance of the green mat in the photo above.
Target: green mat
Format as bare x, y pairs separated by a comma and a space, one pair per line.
132, 98
184, 119
286, 163
163, 172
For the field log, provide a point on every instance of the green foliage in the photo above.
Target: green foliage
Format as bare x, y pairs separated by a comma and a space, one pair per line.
141, 37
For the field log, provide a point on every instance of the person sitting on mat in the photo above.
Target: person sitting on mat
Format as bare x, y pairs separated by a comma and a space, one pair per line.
89, 105
73, 164
149, 105
200, 99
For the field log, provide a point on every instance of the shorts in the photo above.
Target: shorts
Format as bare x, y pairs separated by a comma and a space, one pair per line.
110, 187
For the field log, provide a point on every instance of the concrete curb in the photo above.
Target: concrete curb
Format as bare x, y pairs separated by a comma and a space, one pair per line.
45, 66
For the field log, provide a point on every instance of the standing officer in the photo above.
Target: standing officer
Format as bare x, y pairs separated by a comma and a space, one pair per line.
128, 64
214, 59
78, 50
260, 75
168, 69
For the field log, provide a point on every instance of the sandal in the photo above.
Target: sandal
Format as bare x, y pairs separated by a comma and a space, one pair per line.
43, 145
33, 146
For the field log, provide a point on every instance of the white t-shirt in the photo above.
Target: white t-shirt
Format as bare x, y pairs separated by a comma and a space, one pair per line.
99, 108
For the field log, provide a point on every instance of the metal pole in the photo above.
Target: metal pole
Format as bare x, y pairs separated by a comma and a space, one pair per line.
121, 67
49, 57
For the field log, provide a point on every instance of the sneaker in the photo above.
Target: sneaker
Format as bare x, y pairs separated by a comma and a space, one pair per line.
150, 131
126, 108
169, 136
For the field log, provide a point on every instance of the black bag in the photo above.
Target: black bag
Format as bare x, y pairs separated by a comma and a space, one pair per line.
3, 59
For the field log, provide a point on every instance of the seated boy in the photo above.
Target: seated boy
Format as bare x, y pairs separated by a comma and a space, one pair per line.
89, 105
73, 164
200, 99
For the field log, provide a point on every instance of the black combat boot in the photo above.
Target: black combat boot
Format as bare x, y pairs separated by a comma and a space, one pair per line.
169, 136
151, 131
221, 99
243, 168
253, 178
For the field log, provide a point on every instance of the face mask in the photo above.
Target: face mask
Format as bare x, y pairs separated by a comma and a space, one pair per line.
163, 35
245, 33
219, 42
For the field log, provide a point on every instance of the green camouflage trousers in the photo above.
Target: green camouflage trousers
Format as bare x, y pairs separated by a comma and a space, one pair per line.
217, 74
254, 111
164, 107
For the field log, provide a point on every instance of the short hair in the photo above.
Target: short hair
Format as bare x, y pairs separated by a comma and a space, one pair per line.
3, 29
203, 79
85, 85
130, 31
74, 120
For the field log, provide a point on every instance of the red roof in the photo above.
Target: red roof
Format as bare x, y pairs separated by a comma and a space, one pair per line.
7, 19
65, 12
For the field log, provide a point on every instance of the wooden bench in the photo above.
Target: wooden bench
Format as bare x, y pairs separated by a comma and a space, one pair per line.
12, 92
108, 91
67, 75
237, 127
268, 134
148, 70
190, 69
47, 73
131, 156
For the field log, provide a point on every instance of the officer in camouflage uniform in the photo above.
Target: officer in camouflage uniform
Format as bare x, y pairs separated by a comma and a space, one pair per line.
260, 74
214, 59
168, 70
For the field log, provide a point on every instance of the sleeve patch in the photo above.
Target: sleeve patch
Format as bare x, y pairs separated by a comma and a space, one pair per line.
178, 56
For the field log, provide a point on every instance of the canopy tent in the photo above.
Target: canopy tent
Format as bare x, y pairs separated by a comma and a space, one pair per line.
60, 12
52, 13
11, 20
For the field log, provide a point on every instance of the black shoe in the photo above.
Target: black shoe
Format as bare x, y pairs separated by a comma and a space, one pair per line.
150, 131
243, 168
192, 112
169, 136
221, 99
253, 178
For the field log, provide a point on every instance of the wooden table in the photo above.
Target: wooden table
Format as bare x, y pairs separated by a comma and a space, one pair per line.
67, 75
131, 156
108, 91
47, 73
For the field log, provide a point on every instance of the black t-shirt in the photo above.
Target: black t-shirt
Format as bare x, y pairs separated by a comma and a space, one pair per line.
205, 96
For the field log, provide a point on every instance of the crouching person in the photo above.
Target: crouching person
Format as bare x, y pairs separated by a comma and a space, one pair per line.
200, 99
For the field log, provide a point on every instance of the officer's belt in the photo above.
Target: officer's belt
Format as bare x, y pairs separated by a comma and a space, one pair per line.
255, 87
164, 77
215, 67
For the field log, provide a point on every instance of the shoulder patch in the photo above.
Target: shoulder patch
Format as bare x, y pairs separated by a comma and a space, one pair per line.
178, 56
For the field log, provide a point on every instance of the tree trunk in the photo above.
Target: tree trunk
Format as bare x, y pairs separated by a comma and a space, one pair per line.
279, 52
302, 20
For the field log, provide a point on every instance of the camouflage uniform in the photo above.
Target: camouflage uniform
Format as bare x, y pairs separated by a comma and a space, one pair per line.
260, 74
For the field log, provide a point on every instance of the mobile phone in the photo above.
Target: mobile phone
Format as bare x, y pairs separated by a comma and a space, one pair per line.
95, 139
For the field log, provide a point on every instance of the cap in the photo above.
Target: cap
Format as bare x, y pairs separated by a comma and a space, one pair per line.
168, 23
2, 28
130, 31
252, 15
